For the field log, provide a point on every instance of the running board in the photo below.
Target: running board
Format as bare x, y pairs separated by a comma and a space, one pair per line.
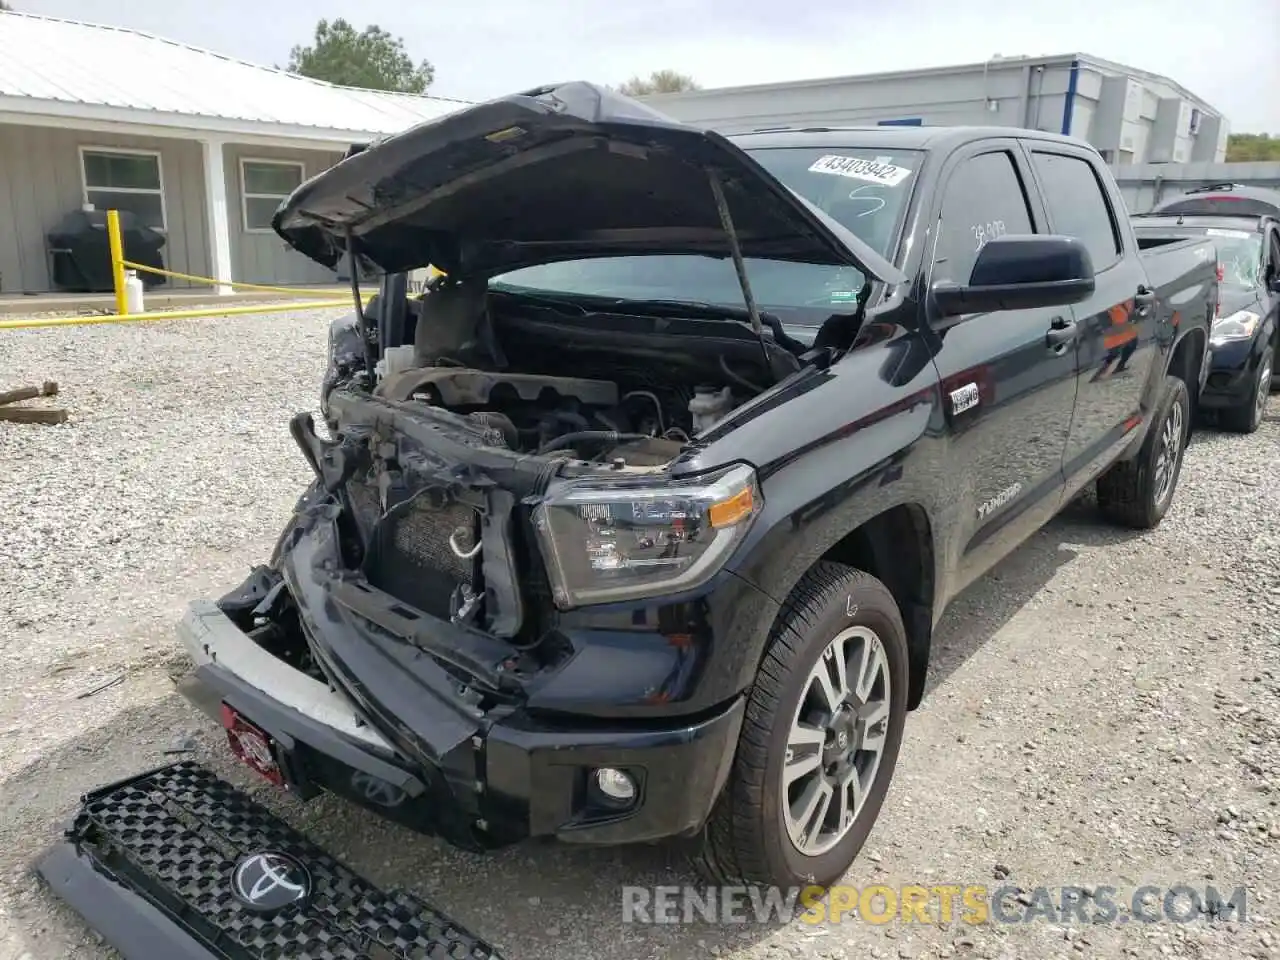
178, 864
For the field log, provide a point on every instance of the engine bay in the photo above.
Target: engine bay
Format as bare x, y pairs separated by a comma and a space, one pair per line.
596, 419
600, 386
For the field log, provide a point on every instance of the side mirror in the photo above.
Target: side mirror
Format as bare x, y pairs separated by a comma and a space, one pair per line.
1020, 273
1274, 284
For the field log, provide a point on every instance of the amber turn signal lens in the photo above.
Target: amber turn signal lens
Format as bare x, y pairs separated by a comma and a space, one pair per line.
728, 512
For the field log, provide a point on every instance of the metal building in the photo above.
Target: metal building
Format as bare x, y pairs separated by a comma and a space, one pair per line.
1130, 115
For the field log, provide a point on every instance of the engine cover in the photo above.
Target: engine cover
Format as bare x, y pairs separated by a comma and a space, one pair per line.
465, 387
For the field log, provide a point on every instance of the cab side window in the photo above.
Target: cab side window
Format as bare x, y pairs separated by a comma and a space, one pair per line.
983, 199
1078, 206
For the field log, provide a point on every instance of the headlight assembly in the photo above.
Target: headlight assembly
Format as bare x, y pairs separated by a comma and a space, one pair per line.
606, 540
1237, 326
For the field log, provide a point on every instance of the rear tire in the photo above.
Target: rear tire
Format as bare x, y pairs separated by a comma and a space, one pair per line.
1247, 417
1137, 493
751, 836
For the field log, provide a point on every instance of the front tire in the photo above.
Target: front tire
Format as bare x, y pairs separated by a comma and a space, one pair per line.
820, 737
1247, 417
1137, 493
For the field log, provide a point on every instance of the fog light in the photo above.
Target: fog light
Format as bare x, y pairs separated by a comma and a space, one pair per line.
615, 785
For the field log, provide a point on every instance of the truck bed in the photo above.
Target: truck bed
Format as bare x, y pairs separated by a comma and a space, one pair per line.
1184, 273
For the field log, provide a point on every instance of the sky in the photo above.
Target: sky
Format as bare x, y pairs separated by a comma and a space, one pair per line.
1227, 52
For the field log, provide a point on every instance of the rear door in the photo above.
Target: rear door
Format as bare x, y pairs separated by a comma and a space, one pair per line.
1116, 327
1008, 394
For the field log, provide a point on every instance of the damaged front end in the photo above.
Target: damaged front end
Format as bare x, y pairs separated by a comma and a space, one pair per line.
395, 583
420, 584
507, 582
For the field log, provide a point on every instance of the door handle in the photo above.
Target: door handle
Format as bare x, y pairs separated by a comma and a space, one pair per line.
1060, 333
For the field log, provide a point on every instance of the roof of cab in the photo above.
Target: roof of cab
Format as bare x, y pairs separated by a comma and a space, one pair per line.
890, 137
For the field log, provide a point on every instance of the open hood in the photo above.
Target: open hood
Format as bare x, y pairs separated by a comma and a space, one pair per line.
559, 173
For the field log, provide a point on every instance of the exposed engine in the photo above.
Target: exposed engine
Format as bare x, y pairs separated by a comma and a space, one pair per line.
541, 378
550, 377
593, 419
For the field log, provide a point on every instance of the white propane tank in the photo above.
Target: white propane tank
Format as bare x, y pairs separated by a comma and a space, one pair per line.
133, 292
708, 406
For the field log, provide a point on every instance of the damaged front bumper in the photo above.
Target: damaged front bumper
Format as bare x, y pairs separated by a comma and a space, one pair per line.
1231, 374
428, 730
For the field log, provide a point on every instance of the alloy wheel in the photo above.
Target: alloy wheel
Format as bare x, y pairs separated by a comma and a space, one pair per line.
1263, 392
836, 741
1171, 437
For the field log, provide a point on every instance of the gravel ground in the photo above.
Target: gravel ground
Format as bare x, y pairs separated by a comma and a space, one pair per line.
1104, 708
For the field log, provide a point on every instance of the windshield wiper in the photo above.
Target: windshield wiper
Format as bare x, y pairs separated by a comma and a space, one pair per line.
701, 310
571, 300
595, 301
697, 309
693, 309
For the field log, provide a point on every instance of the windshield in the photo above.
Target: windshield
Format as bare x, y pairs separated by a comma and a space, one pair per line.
1239, 251
864, 190
1240, 254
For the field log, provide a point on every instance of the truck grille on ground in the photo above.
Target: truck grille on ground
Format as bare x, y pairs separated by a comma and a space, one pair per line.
179, 836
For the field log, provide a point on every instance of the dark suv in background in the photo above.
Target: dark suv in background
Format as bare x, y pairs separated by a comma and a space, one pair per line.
1244, 225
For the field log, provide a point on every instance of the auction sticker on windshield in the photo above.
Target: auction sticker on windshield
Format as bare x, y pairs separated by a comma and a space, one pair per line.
1233, 234
873, 171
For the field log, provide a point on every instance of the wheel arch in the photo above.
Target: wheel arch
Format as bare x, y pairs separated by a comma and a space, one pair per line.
1186, 361
897, 548
896, 545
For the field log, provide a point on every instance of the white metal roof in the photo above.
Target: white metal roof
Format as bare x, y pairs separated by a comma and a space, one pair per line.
74, 70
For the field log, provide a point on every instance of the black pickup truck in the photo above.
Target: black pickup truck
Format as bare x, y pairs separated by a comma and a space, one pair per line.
638, 523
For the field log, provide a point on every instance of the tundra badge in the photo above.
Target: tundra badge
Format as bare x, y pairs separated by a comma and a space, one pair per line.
964, 398
999, 500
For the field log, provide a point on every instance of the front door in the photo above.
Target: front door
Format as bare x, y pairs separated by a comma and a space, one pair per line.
1008, 392
1116, 327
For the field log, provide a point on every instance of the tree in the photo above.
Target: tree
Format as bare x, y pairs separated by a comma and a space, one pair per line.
660, 81
1242, 147
373, 59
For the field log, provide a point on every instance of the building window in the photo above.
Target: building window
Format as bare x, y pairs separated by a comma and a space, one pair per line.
117, 179
264, 183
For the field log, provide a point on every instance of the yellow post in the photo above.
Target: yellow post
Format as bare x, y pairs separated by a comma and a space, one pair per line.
117, 261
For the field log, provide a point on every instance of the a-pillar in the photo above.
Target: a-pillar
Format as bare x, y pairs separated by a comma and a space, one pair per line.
215, 198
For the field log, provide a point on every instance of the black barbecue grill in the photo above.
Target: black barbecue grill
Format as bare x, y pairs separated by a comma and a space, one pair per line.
80, 252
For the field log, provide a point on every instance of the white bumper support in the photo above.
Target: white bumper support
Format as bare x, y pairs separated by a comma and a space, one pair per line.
209, 636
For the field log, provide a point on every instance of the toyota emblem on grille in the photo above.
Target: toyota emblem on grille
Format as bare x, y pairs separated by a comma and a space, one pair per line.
270, 881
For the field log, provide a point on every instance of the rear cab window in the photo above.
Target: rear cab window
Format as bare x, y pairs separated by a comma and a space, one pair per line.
1078, 205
